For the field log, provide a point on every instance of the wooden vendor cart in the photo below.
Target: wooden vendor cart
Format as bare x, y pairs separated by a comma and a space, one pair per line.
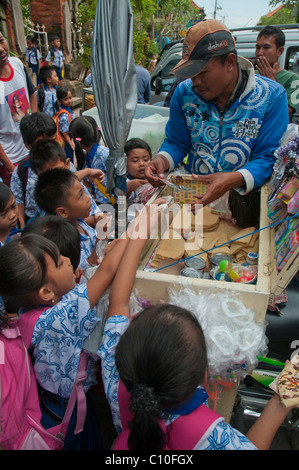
153, 286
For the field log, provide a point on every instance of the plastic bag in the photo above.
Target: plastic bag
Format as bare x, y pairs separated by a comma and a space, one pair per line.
233, 338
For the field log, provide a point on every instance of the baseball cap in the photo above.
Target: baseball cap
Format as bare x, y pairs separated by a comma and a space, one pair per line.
203, 41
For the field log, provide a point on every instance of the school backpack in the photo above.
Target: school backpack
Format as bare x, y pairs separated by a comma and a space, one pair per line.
41, 97
22, 171
60, 139
20, 413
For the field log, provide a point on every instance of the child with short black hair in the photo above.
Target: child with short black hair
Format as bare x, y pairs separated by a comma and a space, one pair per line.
47, 94
33, 127
63, 118
33, 56
138, 155
89, 152
56, 57
60, 231
9, 216
59, 192
33, 274
44, 154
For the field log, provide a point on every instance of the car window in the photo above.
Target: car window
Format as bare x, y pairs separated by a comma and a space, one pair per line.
292, 59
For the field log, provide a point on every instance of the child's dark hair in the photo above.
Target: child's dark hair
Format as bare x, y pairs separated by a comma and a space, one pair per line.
23, 269
37, 125
61, 93
60, 231
5, 195
45, 73
84, 129
52, 188
161, 359
31, 38
136, 143
45, 151
53, 38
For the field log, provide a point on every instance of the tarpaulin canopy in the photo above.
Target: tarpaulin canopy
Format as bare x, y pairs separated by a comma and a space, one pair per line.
114, 83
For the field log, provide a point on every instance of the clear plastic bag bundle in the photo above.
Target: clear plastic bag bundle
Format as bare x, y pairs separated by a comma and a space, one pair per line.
233, 338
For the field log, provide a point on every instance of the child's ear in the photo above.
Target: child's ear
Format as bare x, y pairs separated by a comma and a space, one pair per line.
68, 163
46, 294
62, 212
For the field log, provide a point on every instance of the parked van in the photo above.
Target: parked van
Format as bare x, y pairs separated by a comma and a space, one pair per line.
245, 39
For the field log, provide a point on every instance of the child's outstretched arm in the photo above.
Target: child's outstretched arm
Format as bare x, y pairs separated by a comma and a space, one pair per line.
263, 431
104, 275
121, 289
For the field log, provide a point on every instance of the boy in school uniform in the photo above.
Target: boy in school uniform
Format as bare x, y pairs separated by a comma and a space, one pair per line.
59, 192
56, 57
46, 95
39, 128
33, 57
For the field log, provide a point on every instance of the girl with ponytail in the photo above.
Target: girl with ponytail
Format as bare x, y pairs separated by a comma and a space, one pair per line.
90, 153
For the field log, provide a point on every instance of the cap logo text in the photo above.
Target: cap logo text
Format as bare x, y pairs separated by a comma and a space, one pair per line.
217, 45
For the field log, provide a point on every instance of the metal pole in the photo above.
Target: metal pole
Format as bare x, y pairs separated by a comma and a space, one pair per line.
215, 9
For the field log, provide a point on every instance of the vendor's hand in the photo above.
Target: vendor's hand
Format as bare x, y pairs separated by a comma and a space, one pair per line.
265, 69
157, 166
218, 184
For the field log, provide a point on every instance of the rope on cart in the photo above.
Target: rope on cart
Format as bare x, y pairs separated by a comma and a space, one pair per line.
231, 241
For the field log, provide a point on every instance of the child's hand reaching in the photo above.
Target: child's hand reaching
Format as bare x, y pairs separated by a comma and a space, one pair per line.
95, 173
145, 224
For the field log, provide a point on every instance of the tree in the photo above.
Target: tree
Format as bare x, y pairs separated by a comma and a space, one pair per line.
292, 5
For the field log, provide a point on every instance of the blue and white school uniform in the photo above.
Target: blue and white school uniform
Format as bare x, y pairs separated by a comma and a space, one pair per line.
32, 57
64, 126
87, 242
96, 159
58, 60
31, 208
57, 342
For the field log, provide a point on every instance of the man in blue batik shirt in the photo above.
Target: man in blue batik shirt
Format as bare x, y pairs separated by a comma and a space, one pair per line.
225, 118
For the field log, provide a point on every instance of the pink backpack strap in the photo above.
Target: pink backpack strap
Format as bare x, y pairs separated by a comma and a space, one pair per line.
27, 322
78, 395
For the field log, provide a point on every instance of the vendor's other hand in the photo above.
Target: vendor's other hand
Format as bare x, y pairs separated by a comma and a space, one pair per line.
157, 166
218, 184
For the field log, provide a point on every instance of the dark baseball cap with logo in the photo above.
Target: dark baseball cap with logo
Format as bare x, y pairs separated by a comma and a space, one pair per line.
203, 41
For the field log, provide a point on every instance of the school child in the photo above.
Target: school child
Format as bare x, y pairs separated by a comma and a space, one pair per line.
46, 94
60, 231
9, 217
9, 221
56, 57
47, 153
63, 118
33, 127
33, 57
89, 152
138, 155
34, 274
154, 372
59, 192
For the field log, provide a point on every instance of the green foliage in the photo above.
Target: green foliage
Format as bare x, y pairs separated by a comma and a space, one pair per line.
283, 16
